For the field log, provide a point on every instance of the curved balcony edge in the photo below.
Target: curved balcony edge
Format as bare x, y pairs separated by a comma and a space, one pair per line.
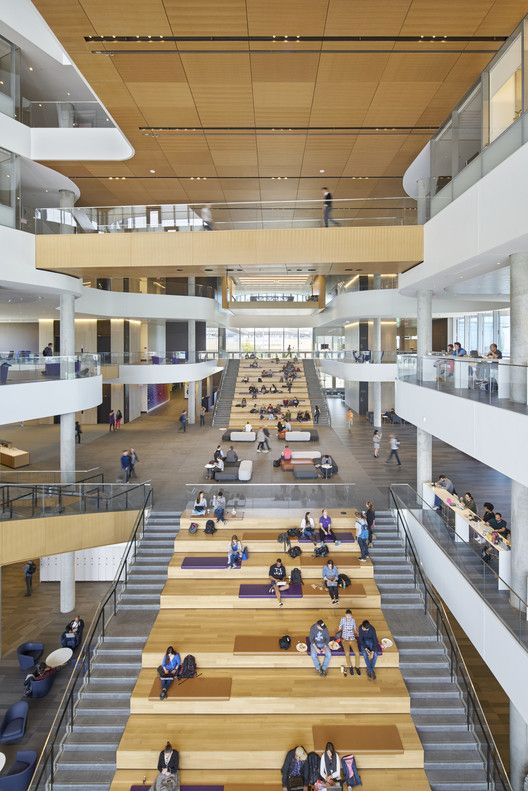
32, 400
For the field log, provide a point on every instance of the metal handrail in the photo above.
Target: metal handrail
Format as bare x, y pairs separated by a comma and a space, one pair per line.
19, 475
49, 752
457, 663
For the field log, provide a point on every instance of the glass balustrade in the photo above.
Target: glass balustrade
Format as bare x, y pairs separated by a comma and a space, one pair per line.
65, 115
38, 368
496, 382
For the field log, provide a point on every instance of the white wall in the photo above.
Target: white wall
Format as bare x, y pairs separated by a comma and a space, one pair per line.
164, 374
17, 266
494, 436
27, 401
500, 650
359, 372
19, 335
99, 564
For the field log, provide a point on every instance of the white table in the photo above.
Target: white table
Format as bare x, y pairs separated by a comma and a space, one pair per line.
326, 468
59, 657
209, 470
2, 761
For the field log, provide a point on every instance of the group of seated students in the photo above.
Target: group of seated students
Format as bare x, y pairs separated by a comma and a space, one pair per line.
457, 350
218, 505
301, 770
493, 518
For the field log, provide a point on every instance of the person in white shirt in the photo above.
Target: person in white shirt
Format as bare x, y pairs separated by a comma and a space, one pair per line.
219, 466
307, 525
200, 504
248, 427
330, 766
287, 426
394, 444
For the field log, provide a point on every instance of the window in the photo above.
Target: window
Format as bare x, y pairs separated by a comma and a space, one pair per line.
505, 89
211, 339
472, 343
276, 335
504, 333
460, 325
261, 340
232, 340
305, 339
291, 338
247, 340
487, 332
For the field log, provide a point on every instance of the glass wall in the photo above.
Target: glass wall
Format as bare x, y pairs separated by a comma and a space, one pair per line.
476, 331
211, 339
9, 79
274, 339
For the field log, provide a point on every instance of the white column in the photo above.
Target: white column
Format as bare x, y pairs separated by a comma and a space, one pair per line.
157, 338
422, 201
67, 442
191, 403
424, 342
66, 201
518, 749
376, 348
519, 325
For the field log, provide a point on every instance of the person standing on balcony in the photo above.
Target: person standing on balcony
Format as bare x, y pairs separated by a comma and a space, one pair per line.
118, 419
328, 207
47, 351
203, 410
78, 432
111, 420
29, 570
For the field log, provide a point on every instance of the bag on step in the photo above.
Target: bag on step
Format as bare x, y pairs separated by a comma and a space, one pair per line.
210, 528
276, 462
189, 668
294, 532
296, 577
343, 580
285, 642
245, 553
294, 552
193, 528
322, 551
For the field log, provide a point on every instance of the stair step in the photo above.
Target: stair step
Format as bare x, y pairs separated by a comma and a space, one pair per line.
453, 779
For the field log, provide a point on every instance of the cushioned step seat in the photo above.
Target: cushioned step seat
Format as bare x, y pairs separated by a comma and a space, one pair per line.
245, 470
253, 591
213, 562
343, 536
241, 436
308, 472
231, 474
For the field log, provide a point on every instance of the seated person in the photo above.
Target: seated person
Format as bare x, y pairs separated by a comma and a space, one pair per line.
279, 579
71, 636
308, 526
287, 425
368, 647
219, 453
219, 504
264, 389
499, 525
468, 502
494, 353
41, 671
286, 453
231, 455
458, 350
219, 466
307, 416
446, 483
273, 389
248, 427
294, 402
245, 379
329, 768
242, 403
168, 670
295, 775
168, 765
300, 417
200, 504
254, 364
280, 427
488, 512
234, 553
325, 527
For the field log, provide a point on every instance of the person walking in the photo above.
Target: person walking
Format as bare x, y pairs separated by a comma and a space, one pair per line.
29, 570
376, 442
350, 419
134, 458
47, 351
111, 420
203, 410
328, 207
394, 445
183, 421
118, 419
362, 536
319, 639
125, 465
370, 515
316, 414
78, 432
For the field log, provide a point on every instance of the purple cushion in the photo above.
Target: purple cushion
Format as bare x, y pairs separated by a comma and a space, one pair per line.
183, 788
213, 562
346, 538
253, 591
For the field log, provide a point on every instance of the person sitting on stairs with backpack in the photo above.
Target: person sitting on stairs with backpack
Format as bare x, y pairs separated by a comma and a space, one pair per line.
279, 580
331, 580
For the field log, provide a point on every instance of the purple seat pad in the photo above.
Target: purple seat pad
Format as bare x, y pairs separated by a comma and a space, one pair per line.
252, 591
212, 562
345, 537
183, 788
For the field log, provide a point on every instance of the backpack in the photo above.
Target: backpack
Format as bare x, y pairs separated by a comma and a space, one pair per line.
188, 668
294, 532
210, 528
296, 577
364, 533
343, 580
313, 763
245, 553
294, 552
193, 528
352, 778
276, 462
285, 642
321, 552
283, 538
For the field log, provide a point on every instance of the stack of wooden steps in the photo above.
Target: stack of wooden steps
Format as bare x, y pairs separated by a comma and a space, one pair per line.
240, 415
252, 701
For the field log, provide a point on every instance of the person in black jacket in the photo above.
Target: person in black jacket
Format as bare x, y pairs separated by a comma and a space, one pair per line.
295, 770
168, 766
72, 635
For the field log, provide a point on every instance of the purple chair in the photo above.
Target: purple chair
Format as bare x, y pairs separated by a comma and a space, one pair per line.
28, 654
13, 725
18, 776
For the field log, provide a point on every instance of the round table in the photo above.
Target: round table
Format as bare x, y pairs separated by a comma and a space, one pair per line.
2, 761
326, 468
59, 657
209, 468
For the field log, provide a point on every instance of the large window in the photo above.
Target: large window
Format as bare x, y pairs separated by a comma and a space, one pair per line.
305, 339
472, 341
276, 339
211, 339
247, 340
261, 339
487, 332
291, 338
232, 340
504, 332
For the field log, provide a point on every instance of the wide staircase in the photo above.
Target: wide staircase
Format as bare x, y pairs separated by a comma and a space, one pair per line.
315, 392
226, 395
88, 755
453, 758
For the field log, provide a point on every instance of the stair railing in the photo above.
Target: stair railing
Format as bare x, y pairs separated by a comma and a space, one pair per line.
496, 776
63, 723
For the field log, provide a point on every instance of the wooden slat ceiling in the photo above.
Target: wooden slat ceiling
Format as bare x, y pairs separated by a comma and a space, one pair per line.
237, 84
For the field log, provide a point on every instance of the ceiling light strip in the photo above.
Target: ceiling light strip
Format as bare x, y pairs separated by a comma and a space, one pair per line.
277, 39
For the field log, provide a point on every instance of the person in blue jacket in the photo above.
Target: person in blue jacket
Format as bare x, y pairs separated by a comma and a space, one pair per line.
368, 647
168, 670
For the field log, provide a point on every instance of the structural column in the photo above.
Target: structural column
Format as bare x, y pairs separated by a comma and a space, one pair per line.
66, 201
191, 357
157, 338
424, 342
422, 201
376, 349
67, 440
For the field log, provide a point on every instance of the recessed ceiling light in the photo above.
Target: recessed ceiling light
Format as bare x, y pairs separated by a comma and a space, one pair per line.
30, 68
152, 171
321, 171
